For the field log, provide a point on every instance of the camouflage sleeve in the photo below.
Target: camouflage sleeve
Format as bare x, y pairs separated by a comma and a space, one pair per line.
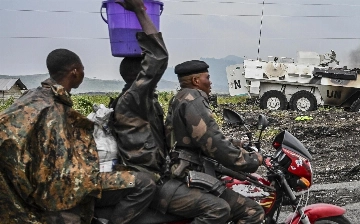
206, 134
153, 65
117, 180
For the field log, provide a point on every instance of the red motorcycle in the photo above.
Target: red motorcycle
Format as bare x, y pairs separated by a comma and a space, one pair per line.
288, 171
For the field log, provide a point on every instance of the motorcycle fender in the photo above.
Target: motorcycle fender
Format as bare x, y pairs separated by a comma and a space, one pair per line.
316, 211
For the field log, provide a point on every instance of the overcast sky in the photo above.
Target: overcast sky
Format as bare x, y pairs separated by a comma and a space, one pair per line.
215, 29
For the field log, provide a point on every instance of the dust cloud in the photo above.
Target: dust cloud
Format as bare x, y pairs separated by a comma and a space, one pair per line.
354, 58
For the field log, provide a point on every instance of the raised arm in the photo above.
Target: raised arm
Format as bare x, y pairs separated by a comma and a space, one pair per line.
138, 7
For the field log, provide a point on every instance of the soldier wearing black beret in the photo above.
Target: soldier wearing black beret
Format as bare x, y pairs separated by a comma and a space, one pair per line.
191, 67
191, 124
194, 74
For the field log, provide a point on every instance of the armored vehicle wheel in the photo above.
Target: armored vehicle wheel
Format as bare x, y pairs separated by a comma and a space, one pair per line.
273, 100
355, 106
303, 101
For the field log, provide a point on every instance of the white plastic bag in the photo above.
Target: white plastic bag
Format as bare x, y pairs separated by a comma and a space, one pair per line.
105, 142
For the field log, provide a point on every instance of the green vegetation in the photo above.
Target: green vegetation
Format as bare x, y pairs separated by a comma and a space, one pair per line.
84, 102
5, 104
164, 99
303, 118
268, 134
231, 99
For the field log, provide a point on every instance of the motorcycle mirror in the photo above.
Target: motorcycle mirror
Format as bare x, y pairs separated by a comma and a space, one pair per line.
232, 117
262, 122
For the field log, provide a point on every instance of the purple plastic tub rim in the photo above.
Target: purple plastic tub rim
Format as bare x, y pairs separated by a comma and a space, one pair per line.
123, 25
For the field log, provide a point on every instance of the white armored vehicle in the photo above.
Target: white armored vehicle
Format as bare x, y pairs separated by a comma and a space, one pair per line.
282, 83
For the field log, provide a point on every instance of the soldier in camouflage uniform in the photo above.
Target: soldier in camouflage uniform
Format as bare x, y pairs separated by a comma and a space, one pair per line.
148, 40
138, 126
192, 126
49, 169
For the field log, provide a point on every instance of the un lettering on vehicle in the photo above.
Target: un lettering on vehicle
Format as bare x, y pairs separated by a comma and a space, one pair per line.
237, 84
333, 94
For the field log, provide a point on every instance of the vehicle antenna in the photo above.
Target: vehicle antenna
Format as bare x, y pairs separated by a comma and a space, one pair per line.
261, 22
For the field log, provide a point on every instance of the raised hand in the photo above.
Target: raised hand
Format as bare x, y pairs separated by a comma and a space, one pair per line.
132, 5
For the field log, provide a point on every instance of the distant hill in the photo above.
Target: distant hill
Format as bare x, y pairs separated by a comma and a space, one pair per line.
217, 72
90, 85
168, 82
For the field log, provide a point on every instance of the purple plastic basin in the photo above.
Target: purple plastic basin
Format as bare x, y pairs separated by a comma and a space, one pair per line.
123, 25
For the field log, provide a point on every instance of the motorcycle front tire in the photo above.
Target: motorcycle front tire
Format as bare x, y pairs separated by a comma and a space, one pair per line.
333, 220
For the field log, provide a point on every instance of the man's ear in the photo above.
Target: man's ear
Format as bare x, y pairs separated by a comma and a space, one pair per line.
195, 80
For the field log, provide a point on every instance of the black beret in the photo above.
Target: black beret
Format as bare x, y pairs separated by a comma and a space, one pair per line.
191, 67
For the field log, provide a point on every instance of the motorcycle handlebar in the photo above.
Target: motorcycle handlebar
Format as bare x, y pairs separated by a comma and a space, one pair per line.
237, 174
248, 146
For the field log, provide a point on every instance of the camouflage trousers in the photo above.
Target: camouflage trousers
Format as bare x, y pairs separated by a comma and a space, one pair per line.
206, 208
129, 203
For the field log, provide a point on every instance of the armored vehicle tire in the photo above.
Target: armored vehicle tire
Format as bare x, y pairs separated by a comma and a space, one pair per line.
273, 100
355, 106
303, 101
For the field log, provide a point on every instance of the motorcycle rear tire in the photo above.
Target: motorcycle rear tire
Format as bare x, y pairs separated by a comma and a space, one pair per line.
333, 220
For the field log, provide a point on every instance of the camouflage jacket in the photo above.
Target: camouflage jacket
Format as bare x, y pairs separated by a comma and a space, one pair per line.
138, 117
193, 126
48, 156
